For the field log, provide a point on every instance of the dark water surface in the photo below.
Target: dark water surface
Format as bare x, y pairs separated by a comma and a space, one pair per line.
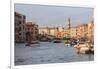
48, 52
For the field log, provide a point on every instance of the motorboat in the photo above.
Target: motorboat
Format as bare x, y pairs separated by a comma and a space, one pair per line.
57, 41
33, 43
67, 44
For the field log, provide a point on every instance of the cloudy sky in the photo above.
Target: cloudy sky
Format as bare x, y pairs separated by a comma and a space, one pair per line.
52, 16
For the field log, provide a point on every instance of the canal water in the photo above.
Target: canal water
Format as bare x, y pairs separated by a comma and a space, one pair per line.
48, 52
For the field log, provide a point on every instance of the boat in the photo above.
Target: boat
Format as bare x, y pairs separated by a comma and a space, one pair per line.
57, 41
33, 43
70, 42
84, 48
67, 44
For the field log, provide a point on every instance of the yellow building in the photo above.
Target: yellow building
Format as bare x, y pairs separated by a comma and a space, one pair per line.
52, 31
48, 31
70, 32
73, 32
82, 31
91, 30
44, 30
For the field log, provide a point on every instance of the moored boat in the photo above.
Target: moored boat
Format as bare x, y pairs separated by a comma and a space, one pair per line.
84, 48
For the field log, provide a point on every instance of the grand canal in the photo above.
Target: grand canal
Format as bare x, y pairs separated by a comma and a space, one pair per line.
48, 52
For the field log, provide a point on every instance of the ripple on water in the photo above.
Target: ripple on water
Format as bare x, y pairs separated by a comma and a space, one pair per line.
20, 60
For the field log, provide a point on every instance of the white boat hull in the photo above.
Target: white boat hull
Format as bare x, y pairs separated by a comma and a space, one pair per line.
84, 49
34, 45
67, 45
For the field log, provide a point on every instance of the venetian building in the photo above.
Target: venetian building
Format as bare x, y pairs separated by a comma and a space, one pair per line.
52, 31
31, 31
82, 31
73, 32
44, 30
20, 21
91, 31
